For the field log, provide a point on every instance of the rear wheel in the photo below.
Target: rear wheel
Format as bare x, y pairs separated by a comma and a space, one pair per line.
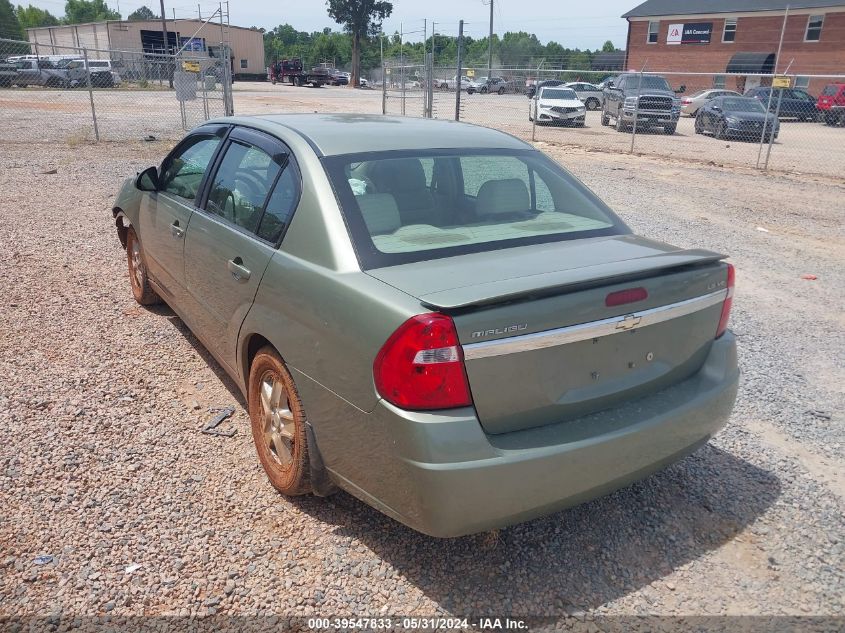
592, 104
278, 424
141, 289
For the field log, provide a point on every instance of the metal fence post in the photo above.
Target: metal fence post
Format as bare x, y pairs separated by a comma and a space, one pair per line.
429, 85
636, 109
458, 77
383, 77
91, 94
772, 132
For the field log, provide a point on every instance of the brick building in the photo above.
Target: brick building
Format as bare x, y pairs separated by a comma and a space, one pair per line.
736, 41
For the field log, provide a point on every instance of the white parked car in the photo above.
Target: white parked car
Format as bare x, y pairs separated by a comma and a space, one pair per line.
691, 103
557, 104
589, 93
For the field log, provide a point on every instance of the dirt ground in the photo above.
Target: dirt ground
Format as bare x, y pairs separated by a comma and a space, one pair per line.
104, 469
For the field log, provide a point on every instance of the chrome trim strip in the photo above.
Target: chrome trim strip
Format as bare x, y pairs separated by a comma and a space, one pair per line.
593, 329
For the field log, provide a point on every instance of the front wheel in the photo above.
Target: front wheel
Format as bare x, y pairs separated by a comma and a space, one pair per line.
620, 124
138, 279
699, 128
592, 104
278, 424
720, 131
605, 119
501, 91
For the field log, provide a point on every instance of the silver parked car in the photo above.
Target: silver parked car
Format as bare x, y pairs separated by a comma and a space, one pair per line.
590, 94
691, 104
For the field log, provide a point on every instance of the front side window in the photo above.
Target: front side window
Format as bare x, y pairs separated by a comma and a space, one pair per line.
814, 28
653, 28
476, 200
718, 81
729, 34
182, 172
242, 184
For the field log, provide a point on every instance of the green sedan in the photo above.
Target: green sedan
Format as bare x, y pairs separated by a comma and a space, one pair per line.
432, 316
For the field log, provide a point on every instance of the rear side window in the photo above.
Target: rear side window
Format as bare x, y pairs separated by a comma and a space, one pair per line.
280, 206
473, 201
183, 170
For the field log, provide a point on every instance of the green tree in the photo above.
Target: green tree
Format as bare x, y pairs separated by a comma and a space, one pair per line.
81, 11
31, 17
608, 47
10, 27
360, 18
142, 13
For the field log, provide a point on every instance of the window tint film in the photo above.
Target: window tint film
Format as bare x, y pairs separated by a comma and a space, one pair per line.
280, 206
242, 184
183, 171
473, 201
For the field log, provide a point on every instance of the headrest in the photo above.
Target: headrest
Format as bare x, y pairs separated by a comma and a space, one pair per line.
381, 215
502, 196
401, 174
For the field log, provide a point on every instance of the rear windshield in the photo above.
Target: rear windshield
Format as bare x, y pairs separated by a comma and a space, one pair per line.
403, 207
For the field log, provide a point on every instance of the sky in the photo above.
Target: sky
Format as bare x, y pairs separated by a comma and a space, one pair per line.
574, 24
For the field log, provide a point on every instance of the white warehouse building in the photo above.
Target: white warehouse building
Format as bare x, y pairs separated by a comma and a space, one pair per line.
246, 45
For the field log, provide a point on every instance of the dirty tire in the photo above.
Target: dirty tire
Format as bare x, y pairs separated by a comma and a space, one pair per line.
138, 280
279, 434
620, 124
605, 120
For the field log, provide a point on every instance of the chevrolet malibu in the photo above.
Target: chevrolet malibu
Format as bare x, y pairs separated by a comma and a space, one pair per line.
432, 316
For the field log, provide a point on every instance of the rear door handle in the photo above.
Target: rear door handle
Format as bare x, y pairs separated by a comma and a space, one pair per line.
238, 270
176, 231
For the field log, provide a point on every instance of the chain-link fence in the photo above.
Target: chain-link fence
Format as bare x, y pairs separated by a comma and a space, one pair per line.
667, 114
60, 93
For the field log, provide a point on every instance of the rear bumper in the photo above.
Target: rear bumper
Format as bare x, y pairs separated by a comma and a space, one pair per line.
448, 478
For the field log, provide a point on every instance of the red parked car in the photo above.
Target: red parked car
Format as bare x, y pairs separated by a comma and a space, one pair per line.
831, 104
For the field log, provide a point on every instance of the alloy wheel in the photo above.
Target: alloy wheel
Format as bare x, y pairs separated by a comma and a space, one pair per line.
279, 425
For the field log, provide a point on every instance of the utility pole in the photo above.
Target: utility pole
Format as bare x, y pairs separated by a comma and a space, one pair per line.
166, 47
490, 45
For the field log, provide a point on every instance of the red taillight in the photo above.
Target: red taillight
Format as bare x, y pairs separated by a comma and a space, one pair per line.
421, 366
686, 101
726, 306
629, 295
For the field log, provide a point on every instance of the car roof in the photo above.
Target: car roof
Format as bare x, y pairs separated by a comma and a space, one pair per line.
335, 134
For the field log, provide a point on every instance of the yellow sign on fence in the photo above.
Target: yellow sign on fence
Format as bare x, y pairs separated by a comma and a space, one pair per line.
191, 67
470, 73
780, 82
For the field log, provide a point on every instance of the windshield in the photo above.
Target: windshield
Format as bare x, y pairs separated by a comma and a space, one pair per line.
403, 207
742, 105
830, 90
648, 83
558, 93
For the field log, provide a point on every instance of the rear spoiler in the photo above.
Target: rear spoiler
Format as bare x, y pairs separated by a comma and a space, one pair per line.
564, 281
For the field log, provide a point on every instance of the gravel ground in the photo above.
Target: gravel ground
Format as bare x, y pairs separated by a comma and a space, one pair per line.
105, 470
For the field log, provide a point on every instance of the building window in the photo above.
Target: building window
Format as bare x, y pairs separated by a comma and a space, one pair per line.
653, 27
802, 82
244, 63
729, 34
718, 81
814, 28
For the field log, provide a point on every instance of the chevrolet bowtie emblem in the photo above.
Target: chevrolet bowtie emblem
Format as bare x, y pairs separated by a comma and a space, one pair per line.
629, 322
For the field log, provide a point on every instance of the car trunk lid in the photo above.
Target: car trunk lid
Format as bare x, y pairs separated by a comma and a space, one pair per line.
556, 332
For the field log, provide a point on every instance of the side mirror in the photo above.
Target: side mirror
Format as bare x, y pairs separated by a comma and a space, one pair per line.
681, 89
716, 108
147, 180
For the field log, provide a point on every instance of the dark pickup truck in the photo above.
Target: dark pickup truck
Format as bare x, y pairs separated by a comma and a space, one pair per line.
8, 73
658, 106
